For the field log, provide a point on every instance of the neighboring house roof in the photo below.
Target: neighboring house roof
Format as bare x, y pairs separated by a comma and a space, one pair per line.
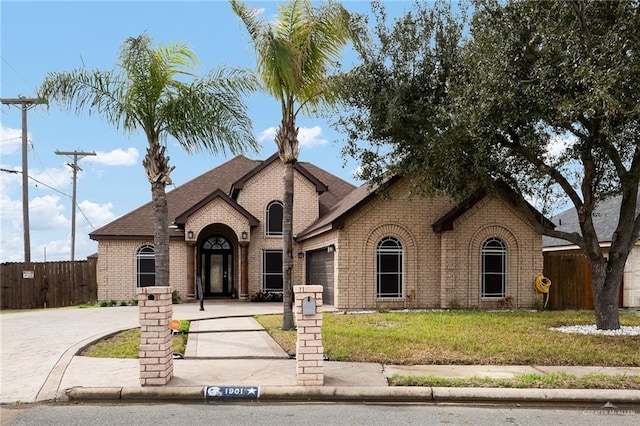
605, 221
218, 182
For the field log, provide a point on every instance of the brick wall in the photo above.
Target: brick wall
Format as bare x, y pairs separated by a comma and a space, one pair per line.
492, 217
116, 268
263, 188
439, 270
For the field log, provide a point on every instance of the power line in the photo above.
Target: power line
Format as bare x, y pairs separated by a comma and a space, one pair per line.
53, 189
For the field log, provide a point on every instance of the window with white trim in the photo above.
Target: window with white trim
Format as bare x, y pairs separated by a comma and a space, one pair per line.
389, 268
146, 266
494, 268
272, 277
274, 218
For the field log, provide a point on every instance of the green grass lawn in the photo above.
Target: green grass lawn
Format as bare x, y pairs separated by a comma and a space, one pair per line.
467, 337
126, 344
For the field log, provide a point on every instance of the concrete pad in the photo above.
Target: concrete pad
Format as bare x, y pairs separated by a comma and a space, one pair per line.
228, 372
221, 324
101, 372
353, 374
453, 371
243, 344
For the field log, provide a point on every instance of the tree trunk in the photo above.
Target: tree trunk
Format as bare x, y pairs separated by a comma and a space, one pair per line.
287, 254
605, 285
287, 141
160, 233
156, 166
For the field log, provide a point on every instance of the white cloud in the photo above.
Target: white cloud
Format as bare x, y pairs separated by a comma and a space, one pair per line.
308, 137
12, 247
311, 136
267, 135
117, 157
46, 213
54, 177
10, 140
97, 214
55, 249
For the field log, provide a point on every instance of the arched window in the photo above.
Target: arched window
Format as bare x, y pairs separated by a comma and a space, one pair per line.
146, 266
216, 243
494, 268
274, 218
389, 268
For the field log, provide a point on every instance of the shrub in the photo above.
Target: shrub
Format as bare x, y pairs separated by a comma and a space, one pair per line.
266, 297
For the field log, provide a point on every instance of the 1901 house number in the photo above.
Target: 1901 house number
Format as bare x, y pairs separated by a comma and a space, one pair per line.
231, 391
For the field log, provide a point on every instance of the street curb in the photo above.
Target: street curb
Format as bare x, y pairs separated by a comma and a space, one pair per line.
360, 393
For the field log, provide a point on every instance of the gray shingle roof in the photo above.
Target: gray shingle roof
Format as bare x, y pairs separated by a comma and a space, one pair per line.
605, 221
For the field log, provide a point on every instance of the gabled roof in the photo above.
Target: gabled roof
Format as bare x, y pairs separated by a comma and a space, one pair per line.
218, 182
445, 223
605, 220
182, 219
139, 222
335, 217
239, 184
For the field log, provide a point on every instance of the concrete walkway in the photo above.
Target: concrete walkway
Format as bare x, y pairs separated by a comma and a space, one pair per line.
226, 347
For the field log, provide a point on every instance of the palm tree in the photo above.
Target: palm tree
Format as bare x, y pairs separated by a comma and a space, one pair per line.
294, 55
148, 90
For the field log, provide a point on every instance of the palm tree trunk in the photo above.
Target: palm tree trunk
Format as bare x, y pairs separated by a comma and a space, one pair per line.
287, 255
160, 233
156, 165
287, 141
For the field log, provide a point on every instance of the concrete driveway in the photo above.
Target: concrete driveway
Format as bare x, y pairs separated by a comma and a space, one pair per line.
37, 346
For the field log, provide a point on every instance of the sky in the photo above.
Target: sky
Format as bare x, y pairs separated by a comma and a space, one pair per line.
38, 37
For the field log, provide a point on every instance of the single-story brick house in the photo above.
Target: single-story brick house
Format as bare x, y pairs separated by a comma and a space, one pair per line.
568, 268
367, 251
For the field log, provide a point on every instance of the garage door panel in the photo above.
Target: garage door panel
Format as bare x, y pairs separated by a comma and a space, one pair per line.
320, 272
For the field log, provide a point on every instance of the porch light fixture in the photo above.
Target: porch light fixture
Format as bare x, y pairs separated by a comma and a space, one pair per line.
301, 255
190, 235
331, 248
244, 235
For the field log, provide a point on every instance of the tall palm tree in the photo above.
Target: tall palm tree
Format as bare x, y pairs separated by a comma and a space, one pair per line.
153, 89
294, 55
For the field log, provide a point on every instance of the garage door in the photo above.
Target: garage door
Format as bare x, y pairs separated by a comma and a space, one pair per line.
320, 272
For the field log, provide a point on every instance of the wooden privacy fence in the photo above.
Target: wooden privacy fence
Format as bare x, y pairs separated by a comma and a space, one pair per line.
48, 284
570, 276
570, 281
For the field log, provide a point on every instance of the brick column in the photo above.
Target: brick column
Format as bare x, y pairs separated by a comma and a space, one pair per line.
244, 270
309, 349
156, 342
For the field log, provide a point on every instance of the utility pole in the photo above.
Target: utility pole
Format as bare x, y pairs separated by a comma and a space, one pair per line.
26, 104
77, 155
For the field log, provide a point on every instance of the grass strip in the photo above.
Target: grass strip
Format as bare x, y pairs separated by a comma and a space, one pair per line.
525, 381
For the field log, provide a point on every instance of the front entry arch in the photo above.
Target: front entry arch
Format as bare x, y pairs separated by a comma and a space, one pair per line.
217, 266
